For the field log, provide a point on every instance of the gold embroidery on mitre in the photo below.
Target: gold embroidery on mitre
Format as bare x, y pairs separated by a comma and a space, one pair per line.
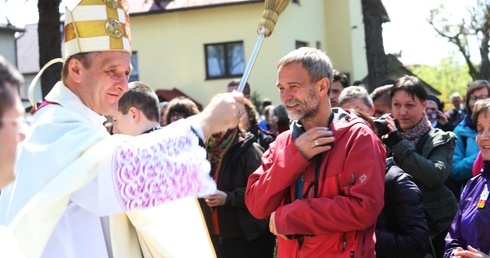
113, 4
107, 20
88, 29
114, 28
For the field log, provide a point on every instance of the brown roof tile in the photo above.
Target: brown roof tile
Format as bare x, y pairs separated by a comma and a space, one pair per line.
139, 6
167, 95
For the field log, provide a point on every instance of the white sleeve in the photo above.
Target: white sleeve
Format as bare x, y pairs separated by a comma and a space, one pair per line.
148, 170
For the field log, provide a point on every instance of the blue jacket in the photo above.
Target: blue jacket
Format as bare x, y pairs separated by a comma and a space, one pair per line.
471, 225
465, 152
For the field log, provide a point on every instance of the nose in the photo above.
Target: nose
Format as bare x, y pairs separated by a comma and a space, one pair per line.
21, 135
403, 111
22, 129
285, 96
122, 82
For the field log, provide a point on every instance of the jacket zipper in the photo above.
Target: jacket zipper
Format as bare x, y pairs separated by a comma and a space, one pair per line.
344, 243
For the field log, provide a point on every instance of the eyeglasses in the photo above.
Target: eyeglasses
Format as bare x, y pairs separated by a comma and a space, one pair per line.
475, 98
22, 123
177, 115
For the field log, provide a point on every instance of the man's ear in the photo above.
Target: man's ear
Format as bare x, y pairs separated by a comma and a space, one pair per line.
135, 114
323, 86
74, 69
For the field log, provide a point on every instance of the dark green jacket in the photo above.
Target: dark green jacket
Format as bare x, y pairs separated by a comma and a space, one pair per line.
430, 169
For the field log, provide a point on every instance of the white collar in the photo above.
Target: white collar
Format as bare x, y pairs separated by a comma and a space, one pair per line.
63, 96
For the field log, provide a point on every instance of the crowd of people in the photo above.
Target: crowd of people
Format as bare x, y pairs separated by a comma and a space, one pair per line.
332, 171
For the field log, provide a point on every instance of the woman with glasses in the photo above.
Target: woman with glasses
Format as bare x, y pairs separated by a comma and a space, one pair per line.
11, 133
179, 108
12, 120
466, 149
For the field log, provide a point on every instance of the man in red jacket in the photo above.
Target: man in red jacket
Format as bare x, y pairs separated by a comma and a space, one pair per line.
321, 182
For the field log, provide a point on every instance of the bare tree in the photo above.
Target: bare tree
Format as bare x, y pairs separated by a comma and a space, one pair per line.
374, 14
475, 25
49, 40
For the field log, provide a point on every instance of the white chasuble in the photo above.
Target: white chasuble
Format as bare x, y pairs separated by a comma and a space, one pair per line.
71, 174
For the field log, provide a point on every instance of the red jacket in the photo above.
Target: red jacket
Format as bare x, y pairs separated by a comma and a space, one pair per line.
350, 196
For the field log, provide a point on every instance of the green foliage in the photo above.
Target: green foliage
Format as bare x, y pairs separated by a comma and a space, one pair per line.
466, 25
447, 77
256, 100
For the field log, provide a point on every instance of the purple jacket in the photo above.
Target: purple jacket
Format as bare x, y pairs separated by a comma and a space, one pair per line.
471, 225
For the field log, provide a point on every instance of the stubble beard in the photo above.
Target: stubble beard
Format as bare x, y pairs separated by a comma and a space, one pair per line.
308, 111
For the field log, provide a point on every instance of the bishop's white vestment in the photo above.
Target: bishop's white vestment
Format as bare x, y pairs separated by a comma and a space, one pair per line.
8, 245
80, 192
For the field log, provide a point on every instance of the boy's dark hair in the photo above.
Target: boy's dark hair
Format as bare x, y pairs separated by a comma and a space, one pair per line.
143, 98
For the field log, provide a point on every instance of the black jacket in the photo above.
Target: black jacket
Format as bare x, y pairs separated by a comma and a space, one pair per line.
401, 229
237, 164
263, 138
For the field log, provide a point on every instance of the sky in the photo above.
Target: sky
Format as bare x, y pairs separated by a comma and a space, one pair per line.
408, 31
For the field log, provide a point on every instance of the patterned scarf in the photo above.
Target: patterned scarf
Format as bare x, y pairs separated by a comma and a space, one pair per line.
413, 134
217, 144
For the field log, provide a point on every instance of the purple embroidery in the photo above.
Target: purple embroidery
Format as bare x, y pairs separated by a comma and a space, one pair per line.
149, 172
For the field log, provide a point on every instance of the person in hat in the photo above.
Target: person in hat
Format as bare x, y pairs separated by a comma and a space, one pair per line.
436, 116
75, 181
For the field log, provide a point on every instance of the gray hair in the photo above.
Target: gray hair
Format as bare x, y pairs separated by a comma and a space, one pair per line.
355, 92
456, 95
316, 62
